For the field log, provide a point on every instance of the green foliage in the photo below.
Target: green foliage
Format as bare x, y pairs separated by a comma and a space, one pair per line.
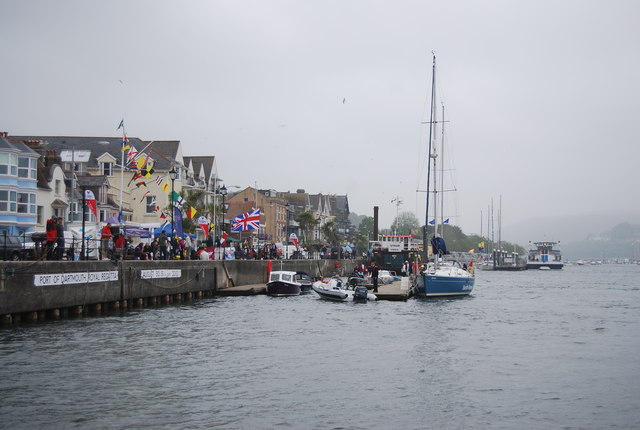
330, 233
405, 224
307, 222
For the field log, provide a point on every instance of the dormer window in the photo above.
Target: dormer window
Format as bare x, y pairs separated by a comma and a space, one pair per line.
106, 169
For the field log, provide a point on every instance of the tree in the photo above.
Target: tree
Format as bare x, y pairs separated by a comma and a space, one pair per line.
307, 222
331, 233
366, 228
405, 223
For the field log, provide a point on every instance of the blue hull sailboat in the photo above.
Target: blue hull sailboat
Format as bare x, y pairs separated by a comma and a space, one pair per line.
440, 277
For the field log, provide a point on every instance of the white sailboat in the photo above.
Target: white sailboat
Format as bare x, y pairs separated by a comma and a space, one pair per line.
439, 278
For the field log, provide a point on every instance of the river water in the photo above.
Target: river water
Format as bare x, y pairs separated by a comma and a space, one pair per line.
527, 350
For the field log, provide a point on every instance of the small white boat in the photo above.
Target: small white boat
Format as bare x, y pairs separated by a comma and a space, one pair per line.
332, 289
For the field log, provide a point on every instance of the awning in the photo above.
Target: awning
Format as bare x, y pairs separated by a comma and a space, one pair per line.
57, 203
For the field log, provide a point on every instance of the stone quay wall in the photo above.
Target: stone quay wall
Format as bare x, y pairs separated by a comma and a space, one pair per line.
49, 289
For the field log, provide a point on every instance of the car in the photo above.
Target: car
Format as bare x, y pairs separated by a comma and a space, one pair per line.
16, 248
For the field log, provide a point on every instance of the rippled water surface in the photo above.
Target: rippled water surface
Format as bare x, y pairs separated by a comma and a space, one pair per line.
528, 350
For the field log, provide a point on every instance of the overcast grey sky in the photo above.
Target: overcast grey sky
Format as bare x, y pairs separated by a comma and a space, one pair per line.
542, 96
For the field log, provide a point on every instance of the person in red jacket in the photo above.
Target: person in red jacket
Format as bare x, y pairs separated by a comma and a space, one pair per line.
52, 237
121, 246
106, 238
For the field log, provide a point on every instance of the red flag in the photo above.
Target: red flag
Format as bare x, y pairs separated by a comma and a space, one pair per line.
224, 237
293, 238
203, 222
90, 199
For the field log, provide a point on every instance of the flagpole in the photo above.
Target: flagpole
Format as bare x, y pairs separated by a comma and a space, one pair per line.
124, 136
84, 204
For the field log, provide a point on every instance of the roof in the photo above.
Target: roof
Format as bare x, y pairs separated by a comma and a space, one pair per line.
16, 145
162, 152
206, 162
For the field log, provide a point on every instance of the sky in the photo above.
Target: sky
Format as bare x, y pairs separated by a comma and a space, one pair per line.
541, 97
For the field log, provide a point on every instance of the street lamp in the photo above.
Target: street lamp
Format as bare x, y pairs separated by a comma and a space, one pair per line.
223, 192
173, 174
289, 209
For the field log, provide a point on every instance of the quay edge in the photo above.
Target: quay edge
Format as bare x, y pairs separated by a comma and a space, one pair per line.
36, 291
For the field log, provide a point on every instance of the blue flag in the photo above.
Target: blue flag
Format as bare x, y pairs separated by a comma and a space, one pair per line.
446, 221
432, 222
177, 218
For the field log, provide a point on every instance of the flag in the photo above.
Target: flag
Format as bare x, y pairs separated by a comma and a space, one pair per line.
145, 195
159, 180
176, 199
125, 143
293, 239
91, 201
177, 219
224, 237
120, 216
191, 212
165, 187
132, 154
203, 222
141, 184
247, 221
163, 215
446, 221
432, 222
121, 124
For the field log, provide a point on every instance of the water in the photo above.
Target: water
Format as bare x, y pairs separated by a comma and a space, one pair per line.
530, 350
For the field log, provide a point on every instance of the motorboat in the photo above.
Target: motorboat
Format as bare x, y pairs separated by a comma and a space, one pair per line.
288, 283
336, 290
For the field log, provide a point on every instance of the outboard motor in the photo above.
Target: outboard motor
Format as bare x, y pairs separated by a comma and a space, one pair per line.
360, 293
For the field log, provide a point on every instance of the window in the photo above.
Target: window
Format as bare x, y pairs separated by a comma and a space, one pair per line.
104, 214
39, 214
107, 169
8, 164
26, 203
57, 187
26, 167
4, 200
8, 201
151, 204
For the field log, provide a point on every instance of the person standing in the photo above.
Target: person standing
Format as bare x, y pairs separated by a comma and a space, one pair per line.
121, 246
162, 244
59, 239
106, 240
374, 276
51, 236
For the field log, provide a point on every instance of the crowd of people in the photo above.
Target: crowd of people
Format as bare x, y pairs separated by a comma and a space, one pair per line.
117, 246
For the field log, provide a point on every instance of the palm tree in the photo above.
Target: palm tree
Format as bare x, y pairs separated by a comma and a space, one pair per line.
331, 233
307, 222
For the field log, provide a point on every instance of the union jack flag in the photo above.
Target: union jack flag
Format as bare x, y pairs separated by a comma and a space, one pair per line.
247, 221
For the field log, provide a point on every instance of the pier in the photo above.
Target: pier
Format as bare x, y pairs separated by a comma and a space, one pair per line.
44, 290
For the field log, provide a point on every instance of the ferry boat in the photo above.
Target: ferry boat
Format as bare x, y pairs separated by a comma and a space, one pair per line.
544, 255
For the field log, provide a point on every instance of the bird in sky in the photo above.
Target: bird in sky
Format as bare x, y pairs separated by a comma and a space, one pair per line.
344, 100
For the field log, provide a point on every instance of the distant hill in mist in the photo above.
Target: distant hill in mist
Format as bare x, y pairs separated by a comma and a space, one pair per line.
582, 236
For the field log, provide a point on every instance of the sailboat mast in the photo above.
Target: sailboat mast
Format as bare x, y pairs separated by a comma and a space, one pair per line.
425, 241
442, 175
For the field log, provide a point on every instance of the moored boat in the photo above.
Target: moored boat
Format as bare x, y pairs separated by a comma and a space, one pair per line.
544, 254
332, 289
440, 278
288, 283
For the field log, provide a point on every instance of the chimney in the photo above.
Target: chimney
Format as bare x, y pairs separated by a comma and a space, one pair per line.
375, 223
